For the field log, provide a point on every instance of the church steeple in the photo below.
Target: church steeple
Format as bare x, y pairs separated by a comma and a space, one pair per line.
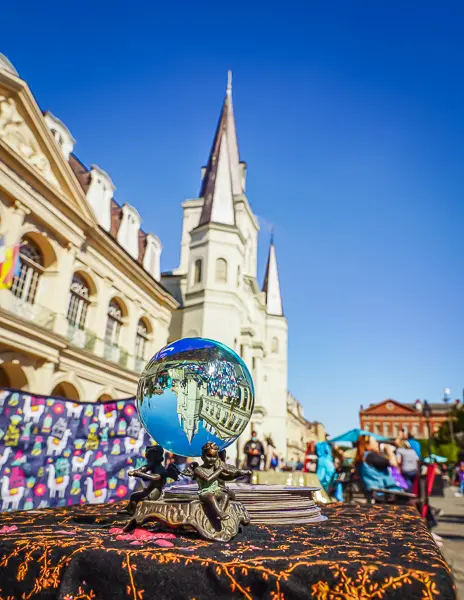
222, 180
271, 286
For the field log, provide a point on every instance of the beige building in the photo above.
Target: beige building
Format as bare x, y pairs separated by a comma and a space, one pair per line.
87, 310
300, 431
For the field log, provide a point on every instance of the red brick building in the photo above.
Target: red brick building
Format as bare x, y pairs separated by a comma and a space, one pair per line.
389, 417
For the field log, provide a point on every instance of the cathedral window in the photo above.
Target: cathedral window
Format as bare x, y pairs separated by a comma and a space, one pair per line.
275, 345
32, 266
221, 270
113, 324
197, 275
78, 302
141, 340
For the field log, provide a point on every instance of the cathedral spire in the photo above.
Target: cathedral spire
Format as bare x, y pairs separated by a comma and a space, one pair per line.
271, 286
222, 180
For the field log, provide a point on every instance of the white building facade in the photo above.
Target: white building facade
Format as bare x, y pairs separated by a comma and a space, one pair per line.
217, 288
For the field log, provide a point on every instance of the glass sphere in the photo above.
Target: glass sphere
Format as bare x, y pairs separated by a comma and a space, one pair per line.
195, 391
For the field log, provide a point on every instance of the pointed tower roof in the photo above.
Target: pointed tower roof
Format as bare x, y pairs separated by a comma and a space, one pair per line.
271, 286
222, 180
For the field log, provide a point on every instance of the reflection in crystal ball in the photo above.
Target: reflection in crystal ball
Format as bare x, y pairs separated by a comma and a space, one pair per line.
195, 391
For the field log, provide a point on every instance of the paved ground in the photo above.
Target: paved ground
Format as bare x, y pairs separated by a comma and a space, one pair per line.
451, 529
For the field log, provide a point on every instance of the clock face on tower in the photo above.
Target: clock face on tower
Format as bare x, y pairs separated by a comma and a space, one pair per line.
390, 406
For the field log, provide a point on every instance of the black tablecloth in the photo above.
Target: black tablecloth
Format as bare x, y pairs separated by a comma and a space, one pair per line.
77, 553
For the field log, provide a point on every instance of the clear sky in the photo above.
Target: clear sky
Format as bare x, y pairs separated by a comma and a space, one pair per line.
350, 116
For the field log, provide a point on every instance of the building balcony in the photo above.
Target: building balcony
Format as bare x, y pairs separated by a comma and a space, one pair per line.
30, 312
115, 354
77, 337
81, 338
140, 364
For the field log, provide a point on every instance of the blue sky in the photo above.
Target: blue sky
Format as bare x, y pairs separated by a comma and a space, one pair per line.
350, 116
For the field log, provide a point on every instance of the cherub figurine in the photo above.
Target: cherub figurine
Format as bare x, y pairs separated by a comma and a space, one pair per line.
155, 473
230, 473
210, 477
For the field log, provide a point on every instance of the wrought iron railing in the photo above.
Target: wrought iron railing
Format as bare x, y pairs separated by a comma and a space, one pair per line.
111, 352
140, 364
78, 337
32, 312
82, 338
123, 357
115, 354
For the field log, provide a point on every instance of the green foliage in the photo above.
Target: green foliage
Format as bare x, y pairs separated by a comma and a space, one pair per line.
443, 436
449, 450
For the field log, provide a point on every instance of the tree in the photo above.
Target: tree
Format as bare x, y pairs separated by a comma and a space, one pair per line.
456, 419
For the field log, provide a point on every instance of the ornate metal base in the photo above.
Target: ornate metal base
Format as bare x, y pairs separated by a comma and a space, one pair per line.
192, 515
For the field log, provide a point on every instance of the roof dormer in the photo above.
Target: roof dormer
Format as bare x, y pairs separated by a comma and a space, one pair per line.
61, 133
128, 233
99, 195
152, 256
7, 66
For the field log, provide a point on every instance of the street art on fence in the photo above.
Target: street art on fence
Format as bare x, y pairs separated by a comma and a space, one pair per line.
55, 452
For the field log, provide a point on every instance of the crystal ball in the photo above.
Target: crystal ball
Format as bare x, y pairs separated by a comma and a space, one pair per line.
194, 391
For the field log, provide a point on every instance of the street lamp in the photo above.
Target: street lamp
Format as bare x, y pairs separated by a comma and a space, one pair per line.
427, 412
446, 399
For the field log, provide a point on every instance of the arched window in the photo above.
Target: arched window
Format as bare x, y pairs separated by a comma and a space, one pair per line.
78, 302
141, 340
221, 270
113, 324
32, 265
198, 271
275, 345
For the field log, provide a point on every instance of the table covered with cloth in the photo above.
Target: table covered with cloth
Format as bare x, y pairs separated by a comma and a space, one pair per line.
81, 553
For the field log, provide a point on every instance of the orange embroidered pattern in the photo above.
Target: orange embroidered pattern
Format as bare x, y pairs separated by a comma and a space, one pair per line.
360, 553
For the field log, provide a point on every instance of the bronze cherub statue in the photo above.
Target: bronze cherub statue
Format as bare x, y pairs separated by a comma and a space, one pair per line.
215, 514
155, 473
211, 477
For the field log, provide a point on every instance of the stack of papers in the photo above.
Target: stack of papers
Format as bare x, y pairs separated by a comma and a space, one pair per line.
266, 504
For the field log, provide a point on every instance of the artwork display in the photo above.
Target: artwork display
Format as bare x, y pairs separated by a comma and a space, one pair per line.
55, 452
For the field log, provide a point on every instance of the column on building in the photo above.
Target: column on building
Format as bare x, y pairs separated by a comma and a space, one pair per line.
106, 293
59, 289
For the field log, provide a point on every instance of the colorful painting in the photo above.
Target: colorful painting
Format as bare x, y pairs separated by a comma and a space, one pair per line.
55, 452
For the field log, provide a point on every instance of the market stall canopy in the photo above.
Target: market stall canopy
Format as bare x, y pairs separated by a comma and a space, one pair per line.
433, 458
353, 435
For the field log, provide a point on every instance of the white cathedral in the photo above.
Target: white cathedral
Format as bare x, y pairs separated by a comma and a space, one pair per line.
216, 282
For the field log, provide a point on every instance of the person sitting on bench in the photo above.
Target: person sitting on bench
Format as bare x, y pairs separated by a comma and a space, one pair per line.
374, 467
